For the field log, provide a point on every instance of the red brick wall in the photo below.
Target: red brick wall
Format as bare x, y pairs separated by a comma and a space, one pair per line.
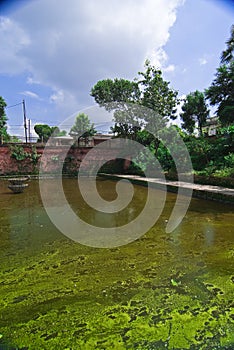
54, 159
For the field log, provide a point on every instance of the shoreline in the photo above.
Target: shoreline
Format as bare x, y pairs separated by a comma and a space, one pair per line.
207, 192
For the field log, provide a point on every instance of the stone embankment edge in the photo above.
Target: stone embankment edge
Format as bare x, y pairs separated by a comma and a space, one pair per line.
214, 193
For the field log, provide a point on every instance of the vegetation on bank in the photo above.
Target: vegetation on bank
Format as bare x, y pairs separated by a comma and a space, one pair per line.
212, 157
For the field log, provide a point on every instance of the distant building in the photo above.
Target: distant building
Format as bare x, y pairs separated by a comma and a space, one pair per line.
98, 138
61, 140
211, 126
90, 141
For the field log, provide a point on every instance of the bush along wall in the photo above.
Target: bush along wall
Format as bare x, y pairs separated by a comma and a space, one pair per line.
26, 158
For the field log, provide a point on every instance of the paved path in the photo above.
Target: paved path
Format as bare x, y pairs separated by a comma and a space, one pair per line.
204, 191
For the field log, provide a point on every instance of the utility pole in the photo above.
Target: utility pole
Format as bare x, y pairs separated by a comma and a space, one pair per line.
25, 122
29, 131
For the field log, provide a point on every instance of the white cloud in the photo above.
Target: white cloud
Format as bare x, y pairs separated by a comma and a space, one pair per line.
158, 57
13, 39
57, 97
30, 94
202, 61
72, 47
30, 80
184, 70
170, 68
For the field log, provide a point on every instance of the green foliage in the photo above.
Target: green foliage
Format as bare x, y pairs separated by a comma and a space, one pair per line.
225, 172
125, 130
45, 131
117, 90
156, 93
14, 139
82, 127
165, 158
209, 156
145, 138
200, 150
55, 131
3, 121
18, 153
145, 162
34, 156
55, 158
159, 153
221, 91
194, 110
149, 91
212, 156
229, 161
61, 133
174, 283
228, 54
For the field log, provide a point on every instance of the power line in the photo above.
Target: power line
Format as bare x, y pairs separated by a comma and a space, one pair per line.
17, 104
24, 116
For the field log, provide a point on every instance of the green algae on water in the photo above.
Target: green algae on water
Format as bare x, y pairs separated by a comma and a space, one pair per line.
58, 294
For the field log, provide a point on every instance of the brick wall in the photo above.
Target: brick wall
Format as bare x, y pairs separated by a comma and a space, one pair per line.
55, 159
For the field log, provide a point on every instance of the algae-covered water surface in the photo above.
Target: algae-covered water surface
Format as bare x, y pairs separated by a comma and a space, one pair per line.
162, 291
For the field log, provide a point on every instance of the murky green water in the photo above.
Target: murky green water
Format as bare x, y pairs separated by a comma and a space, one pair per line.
162, 291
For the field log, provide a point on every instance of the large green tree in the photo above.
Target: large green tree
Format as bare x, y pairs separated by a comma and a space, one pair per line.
117, 90
194, 111
44, 132
221, 91
3, 121
150, 90
82, 127
126, 130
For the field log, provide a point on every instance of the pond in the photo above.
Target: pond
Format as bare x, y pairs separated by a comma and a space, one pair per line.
161, 291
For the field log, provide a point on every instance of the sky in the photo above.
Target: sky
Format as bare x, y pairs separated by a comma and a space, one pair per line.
54, 51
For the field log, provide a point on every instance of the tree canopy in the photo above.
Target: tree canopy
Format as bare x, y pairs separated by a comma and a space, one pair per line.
44, 132
221, 91
194, 110
228, 54
82, 126
156, 93
150, 90
117, 90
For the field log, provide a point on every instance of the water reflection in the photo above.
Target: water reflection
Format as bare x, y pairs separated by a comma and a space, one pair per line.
209, 233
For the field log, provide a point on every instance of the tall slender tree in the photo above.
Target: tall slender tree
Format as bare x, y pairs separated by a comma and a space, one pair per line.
221, 91
194, 110
82, 127
156, 93
228, 54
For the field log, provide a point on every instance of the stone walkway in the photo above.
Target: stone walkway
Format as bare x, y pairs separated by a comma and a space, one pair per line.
202, 191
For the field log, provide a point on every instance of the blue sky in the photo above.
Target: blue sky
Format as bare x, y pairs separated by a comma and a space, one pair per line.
54, 51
